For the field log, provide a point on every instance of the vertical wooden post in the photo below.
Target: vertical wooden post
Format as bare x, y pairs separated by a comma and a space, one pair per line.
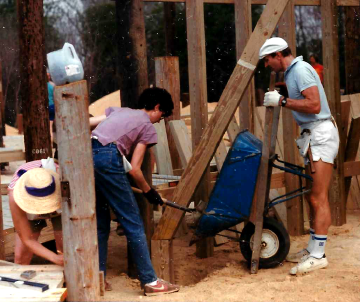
352, 46
264, 179
2, 239
243, 30
198, 99
133, 80
332, 89
167, 76
2, 107
34, 93
78, 192
295, 216
162, 259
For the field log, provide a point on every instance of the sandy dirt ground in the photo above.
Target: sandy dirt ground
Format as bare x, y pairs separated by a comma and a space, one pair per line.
225, 276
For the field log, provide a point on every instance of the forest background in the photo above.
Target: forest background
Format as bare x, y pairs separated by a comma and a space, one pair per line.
90, 25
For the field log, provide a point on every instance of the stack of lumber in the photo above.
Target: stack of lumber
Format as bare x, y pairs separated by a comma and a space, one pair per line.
51, 275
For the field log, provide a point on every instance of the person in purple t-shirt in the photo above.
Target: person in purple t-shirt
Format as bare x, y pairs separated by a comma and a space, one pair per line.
127, 133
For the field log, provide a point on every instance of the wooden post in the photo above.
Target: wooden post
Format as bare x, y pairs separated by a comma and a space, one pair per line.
162, 259
223, 113
243, 30
2, 237
263, 180
352, 148
2, 107
78, 192
295, 215
198, 100
34, 93
133, 80
167, 76
352, 46
332, 89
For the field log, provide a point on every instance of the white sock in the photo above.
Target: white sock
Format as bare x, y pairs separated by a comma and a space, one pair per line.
311, 240
318, 250
152, 283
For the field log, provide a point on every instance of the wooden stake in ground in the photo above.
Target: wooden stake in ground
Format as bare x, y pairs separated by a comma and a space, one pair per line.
33, 91
78, 192
223, 113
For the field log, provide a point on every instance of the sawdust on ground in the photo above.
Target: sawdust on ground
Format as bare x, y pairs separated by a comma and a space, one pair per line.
225, 276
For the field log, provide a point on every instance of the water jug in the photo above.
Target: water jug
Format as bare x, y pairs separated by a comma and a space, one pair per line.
64, 65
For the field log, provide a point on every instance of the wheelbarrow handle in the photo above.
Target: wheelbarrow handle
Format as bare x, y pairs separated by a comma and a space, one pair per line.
168, 202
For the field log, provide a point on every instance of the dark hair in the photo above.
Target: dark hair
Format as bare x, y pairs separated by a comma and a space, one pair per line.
150, 97
315, 58
286, 52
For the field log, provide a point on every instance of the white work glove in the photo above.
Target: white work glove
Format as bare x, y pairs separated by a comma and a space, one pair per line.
272, 99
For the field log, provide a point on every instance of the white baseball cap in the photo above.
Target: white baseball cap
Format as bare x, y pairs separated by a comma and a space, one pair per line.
272, 45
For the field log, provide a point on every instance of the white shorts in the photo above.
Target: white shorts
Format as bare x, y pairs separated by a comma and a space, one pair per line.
324, 142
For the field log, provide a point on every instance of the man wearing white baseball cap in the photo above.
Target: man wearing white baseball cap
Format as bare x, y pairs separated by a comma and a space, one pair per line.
309, 106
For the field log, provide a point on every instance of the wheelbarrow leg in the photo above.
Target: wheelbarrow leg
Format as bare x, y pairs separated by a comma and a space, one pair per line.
263, 181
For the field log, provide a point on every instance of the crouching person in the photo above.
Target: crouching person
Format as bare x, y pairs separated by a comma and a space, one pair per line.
126, 133
34, 194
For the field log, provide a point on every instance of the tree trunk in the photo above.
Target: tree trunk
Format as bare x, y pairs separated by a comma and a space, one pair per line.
33, 80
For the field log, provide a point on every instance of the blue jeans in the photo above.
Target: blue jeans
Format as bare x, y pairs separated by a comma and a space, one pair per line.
113, 189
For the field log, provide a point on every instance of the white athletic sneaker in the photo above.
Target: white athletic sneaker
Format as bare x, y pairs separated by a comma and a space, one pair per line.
296, 257
308, 264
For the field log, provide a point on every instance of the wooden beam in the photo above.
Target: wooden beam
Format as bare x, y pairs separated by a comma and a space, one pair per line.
223, 113
162, 259
2, 239
351, 151
10, 154
167, 74
161, 151
195, 25
2, 109
243, 30
294, 207
263, 2
77, 170
332, 89
34, 94
272, 116
345, 114
351, 168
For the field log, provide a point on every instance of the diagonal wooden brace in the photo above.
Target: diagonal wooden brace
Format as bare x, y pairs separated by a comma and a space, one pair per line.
225, 110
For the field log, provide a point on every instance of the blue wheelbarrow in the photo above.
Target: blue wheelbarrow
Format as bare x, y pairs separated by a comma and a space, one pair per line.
231, 200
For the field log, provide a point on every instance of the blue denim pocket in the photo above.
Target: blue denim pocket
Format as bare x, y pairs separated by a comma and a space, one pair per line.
102, 159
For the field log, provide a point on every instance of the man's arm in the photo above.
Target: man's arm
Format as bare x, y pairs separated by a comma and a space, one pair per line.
96, 120
136, 162
310, 103
23, 229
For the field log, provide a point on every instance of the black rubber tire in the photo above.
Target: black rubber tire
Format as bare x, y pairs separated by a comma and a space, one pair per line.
277, 232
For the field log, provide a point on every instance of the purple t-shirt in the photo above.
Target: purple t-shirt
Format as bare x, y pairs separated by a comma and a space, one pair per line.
127, 127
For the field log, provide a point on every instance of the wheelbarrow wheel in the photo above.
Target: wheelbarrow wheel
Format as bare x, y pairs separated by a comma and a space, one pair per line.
275, 243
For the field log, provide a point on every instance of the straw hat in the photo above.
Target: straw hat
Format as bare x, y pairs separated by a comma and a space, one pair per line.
38, 191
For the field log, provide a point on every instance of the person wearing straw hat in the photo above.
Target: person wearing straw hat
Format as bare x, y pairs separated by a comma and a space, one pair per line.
34, 193
319, 138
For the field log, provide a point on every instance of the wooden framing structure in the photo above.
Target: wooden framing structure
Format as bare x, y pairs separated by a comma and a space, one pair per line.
205, 149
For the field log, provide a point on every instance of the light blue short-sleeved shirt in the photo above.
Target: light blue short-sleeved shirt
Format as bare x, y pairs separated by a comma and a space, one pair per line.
298, 77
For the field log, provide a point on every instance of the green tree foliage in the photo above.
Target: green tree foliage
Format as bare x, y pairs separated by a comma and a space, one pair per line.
100, 49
